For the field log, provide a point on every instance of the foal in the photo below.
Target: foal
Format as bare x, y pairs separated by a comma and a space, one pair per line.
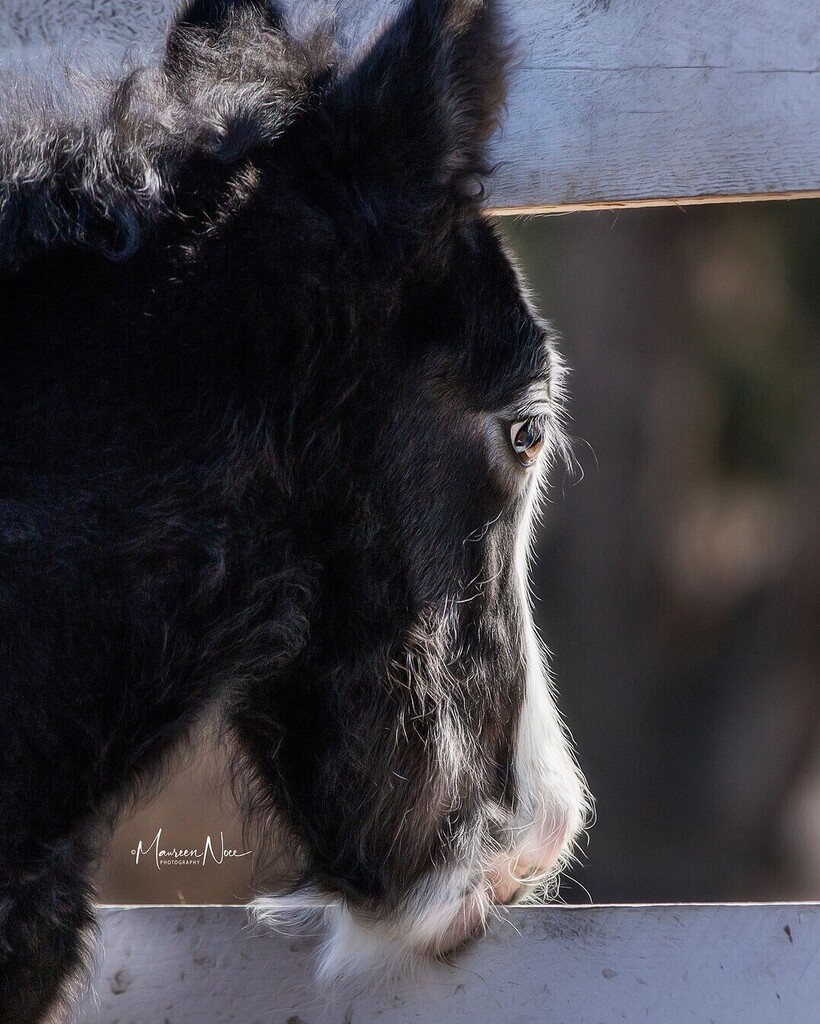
274, 418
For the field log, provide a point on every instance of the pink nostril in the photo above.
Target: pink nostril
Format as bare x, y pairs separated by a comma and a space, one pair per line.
544, 853
507, 880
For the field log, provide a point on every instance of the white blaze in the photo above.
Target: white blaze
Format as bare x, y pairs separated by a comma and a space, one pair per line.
552, 797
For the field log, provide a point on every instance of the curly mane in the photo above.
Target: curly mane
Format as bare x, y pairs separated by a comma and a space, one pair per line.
94, 162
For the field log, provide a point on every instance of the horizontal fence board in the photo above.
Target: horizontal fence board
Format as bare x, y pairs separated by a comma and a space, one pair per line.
755, 964
613, 102
620, 101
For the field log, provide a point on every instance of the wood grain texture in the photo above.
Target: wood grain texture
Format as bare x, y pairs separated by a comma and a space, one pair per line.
613, 102
625, 100
753, 964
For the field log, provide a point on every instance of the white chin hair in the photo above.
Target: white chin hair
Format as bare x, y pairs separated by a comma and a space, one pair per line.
354, 945
354, 948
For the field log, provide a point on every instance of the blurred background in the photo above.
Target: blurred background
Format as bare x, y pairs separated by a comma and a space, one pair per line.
678, 578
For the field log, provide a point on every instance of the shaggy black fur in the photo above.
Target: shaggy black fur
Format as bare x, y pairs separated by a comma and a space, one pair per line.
251, 320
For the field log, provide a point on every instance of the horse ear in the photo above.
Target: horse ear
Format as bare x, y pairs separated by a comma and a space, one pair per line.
419, 106
223, 22
229, 61
213, 14
213, 17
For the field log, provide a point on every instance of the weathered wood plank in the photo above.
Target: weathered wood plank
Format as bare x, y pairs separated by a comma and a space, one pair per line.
635, 101
613, 102
562, 965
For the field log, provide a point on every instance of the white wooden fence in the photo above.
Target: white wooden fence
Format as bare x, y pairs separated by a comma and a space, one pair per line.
614, 103
635, 102
563, 965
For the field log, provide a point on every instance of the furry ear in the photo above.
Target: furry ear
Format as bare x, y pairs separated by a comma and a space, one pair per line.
232, 66
214, 14
198, 21
415, 112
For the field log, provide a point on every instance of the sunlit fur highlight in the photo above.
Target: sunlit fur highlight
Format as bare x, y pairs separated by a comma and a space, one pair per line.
553, 804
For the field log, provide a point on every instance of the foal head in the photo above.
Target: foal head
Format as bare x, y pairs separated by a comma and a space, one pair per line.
421, 762
332, 272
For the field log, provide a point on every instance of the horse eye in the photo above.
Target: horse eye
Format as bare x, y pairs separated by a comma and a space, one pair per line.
527, 440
